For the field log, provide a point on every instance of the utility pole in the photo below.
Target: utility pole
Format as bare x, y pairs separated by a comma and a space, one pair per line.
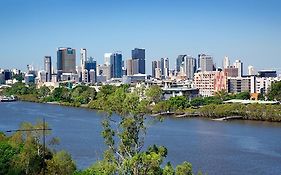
44, 129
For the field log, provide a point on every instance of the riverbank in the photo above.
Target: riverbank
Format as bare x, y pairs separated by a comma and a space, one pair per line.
258, 112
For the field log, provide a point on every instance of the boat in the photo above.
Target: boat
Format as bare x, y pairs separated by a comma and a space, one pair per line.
8, 99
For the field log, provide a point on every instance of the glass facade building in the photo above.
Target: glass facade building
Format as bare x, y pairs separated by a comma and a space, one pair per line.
116, 65
139, 54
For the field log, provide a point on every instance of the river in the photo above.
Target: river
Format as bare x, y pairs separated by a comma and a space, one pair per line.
230, 148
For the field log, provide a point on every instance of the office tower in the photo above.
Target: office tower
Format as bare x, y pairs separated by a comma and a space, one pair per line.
90, 64
239, 65
226, 62
189, 67
132, 67
107, 58
154, 66
116, 65
179, 62
92, 76
83, 58
165, 67
66, 60
139, 54
48, 68
129, 64
158, 73
251, 70
104, 70
205, 62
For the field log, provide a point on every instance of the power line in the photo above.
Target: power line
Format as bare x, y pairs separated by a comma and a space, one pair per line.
44, 139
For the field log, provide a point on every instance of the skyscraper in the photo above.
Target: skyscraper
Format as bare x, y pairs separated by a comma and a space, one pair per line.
165, 67
139, 54
189, 67
48, 68
154, 66
129, 65
251, 70
205, 62
91, 66
66, 60
83, 58
238, 64
116, 65
226, 62
107, 58
179, 62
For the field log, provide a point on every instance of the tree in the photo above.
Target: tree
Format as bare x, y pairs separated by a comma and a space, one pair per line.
184, 169
43, 91
61, 163
154, 93
275, 91
178, 102
125, 139
22, 154
243, 95
222, 95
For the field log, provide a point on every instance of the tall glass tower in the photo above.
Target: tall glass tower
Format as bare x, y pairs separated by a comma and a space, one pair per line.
139, 54
116, 65
48, 68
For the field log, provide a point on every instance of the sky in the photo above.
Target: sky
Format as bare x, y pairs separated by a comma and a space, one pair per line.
249, 30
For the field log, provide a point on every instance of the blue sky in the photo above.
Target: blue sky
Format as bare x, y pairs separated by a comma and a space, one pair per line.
246, 29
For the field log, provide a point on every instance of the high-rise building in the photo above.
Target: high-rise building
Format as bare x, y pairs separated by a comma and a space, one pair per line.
48, 68
104, 71
107, 58
139, 54
66, 61
179, 62
226, 62
83, 58
91, 64
205, 62
189, 67
116, 65
132, 67
92, 76
239, 65
164, 67
251, 70
129, 64
154, 66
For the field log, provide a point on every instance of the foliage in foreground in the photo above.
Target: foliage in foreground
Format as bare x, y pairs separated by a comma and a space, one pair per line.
125, 137
22, 154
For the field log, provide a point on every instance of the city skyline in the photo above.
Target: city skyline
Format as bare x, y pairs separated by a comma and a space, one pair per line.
246, 30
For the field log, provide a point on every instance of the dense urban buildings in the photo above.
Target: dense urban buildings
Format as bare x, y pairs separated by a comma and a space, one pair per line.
190, 76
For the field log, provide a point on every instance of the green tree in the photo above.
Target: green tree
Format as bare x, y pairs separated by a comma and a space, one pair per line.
43, 91
125, 139
275, 91
184, 169
154, 93
61, 163
178, 102
243, 95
